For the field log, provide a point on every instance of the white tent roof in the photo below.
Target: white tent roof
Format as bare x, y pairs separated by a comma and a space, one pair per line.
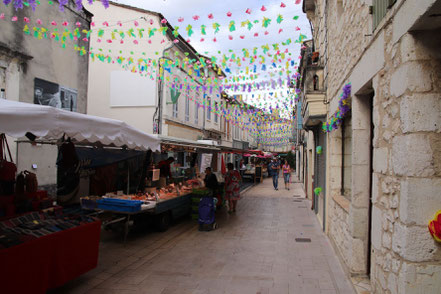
49, 123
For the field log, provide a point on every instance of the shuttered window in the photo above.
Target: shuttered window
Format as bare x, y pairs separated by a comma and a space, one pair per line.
379, 10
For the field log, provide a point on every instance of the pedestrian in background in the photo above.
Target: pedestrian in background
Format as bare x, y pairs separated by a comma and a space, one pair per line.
232, 187
286, 174
273, 170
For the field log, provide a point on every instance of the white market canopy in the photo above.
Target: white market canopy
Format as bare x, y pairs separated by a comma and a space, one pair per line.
49, 123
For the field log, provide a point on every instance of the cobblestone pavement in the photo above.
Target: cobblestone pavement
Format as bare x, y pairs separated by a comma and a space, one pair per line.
253, 251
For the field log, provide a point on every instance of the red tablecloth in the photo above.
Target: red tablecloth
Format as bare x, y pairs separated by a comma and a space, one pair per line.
49, 261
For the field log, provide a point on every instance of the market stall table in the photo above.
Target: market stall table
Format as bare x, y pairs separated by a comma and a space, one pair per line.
49, 261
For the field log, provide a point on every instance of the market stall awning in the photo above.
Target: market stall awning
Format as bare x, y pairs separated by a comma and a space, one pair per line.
185, 142
49, 123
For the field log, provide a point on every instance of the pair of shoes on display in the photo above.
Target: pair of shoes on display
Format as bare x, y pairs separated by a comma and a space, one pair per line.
277, 189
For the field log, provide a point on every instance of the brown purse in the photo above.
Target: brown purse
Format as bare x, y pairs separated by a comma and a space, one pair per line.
8, 169
31, 182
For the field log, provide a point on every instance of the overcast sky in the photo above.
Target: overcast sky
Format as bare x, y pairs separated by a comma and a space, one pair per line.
175, 9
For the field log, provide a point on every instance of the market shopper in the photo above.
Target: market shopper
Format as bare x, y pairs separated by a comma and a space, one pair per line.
165, 171
232, 187
211, 181
273, 170
286, 174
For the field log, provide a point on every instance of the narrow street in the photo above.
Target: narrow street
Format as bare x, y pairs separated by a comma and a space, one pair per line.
253, 251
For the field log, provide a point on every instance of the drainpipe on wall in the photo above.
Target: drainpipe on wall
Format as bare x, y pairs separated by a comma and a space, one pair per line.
161, 91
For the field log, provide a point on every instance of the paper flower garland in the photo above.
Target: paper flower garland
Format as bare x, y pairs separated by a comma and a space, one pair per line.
343, 108
435, 227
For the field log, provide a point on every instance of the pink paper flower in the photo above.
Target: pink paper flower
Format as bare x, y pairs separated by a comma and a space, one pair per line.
210, 16
242, 37
163, 41
202, 39
196, 17
2, 16
65, 23
280, 30
53, 23
14, 18
109, 41
230, 37
164, 21
136, 23
121, 42
135, 42
175, 41
256, 34
149, 41
297, 29
266, 33
282, 5
181, 19
99, 40
229, 14
248, 11
263, 8
92, 24
26, 19
85, 40
119, 23
78, 24
151, 22
105, 24
214, 40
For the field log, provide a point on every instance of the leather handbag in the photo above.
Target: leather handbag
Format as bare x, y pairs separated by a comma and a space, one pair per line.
31, 182
8, 169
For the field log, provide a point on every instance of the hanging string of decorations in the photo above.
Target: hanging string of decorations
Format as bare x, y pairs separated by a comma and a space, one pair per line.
344, 106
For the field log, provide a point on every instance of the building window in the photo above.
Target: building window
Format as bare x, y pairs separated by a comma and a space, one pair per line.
175, 109
208, 108
187, 107
346, 177
236, 133
315, 81
196, 113
216, 116
379, 9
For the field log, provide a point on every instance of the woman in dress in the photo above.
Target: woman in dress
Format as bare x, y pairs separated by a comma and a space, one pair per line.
286, 174
232, 187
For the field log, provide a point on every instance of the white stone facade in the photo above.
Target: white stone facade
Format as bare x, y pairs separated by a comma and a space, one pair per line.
395, 75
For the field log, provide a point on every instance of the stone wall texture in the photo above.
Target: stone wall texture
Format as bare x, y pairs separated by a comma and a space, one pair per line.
406, 142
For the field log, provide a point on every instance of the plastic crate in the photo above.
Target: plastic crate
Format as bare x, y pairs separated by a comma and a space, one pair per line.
119, 205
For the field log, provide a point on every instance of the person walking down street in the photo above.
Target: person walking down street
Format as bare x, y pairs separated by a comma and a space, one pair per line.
242, 168
232, 187
211, 181
273, 170
286, 174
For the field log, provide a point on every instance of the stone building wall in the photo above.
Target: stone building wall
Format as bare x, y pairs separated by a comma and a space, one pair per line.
395, 74
407, 174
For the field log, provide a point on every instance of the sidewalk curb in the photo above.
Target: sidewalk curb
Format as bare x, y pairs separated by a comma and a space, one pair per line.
247, 189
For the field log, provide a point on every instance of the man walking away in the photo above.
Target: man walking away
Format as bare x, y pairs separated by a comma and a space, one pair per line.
273, 170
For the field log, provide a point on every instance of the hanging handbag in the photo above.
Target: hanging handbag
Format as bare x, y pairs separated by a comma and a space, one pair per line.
31, 182
8, 169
